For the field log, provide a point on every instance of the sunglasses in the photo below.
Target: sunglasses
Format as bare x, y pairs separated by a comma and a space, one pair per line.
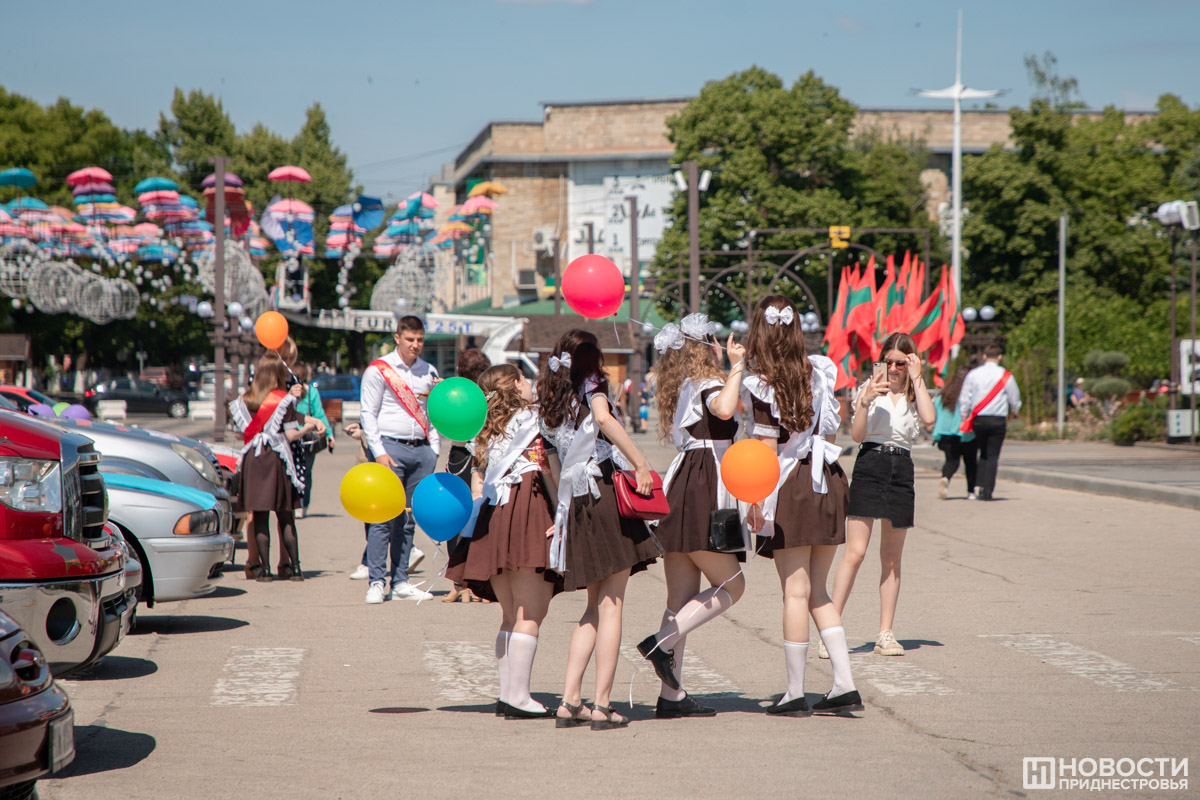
896, 364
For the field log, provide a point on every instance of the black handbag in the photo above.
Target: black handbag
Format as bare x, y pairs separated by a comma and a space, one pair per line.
725, 531
313, 442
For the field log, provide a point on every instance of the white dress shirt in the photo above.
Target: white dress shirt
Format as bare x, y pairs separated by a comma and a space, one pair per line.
891, 423
384, 415
979, 384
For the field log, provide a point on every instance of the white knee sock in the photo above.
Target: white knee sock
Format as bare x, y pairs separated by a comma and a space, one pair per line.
795, 655
521, 649
666, 692
502, 663
705, 606
839, 658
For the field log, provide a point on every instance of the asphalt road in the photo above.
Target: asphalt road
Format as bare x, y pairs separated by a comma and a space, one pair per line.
1049, 623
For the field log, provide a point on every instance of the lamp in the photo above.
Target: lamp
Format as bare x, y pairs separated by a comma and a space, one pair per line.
987, 313
969, 314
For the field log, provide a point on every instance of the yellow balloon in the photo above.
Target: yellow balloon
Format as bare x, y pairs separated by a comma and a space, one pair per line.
372, 493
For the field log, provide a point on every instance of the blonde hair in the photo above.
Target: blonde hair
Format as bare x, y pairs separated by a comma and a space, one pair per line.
499, 385
694, 360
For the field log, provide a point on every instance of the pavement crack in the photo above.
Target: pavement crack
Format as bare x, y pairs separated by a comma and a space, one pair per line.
949, 560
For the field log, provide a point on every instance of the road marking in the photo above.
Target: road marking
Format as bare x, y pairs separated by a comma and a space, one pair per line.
463, 671
698, 676
1194, 638
897, 676
259, 676
1096, 667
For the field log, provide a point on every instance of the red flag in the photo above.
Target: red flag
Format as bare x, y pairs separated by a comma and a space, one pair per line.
886, 296
926, 328
860, 313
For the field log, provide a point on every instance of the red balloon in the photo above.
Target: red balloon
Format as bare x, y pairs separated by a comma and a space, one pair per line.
593, 286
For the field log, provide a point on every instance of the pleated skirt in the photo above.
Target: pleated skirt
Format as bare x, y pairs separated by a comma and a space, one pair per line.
804, 517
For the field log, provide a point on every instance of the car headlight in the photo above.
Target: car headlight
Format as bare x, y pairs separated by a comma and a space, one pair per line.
31, 484
198, 462
198, 522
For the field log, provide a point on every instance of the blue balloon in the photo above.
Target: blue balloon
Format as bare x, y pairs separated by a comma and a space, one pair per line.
442, 504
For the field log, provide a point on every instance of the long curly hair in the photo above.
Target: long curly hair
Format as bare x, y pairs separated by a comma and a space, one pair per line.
555, 393
954, 386
777, 354
499, 385
694, 360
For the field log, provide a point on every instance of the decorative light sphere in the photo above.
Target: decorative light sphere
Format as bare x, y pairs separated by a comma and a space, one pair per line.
343, 302
246, 323
969, 314
987, 313
812, 319
235, 309
204, 309
16, 303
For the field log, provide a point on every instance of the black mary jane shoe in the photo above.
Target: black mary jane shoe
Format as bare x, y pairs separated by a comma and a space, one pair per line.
848, 701
662, 660
502, 708
580, 715
796, 707
687, 707
265, 577
512, 712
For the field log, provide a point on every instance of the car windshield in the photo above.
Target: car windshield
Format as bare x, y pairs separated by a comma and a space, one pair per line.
8, 404
41, 398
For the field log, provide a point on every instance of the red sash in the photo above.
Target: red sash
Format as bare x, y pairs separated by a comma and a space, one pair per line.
403, 393
968, 424
263, 415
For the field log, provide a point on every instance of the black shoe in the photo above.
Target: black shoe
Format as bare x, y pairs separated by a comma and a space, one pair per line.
512, 712
265, 577
849, 701
501, 708
663, 661
796, 707
687, 707
580, 715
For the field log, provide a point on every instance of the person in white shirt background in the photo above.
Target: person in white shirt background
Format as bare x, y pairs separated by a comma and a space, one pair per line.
991, 419
396, 426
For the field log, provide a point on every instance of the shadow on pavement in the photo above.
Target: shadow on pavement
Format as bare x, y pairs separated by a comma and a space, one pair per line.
101, 749
188, 623
398, 710
486, 708
226, 591
111, 668
917, 644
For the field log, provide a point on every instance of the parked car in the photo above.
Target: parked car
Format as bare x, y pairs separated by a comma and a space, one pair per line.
159, 456
206, 389
141, 397
24, 397
62, 575
338, 387
37, 725
176, 530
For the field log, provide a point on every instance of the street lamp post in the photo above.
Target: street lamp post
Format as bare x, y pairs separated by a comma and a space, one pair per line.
694, 183
1184, 214
219, 163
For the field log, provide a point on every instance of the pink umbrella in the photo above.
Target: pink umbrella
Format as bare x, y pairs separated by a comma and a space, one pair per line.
93, 188
426, 199
89, 175
480, 204
147, 229
230, 180
9, 229
161, 196
290, 206
290, 173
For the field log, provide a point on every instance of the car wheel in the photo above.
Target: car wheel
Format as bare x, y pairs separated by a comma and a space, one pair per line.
177, 409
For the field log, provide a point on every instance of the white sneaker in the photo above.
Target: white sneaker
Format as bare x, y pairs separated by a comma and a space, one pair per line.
361, 573
971, 496
299, 513
376, 593
886, 645
415, 556
406, 591
943, 488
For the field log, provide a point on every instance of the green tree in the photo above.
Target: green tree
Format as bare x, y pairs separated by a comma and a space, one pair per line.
782, 157
197, 130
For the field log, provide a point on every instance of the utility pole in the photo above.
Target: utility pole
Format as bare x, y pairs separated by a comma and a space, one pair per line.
219, 163
1062, 322
635, 325
693, 188
1191, 356
591, 237
557, 279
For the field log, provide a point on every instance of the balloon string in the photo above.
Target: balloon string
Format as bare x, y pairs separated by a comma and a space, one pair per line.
681, 333
437, 550
638, 667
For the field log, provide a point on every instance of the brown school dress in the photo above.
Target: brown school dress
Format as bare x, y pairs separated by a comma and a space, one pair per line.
263, 483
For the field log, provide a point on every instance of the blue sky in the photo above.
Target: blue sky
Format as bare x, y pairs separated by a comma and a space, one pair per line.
407, 84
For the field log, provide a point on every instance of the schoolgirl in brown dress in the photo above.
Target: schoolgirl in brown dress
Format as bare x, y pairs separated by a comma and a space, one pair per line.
696, 407
593, 547
793, 408
508, 552
269, 479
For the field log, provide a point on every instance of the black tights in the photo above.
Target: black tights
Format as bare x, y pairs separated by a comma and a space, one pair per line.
289, 546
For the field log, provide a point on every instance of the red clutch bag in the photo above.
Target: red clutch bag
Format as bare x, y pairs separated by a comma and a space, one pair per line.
640, 506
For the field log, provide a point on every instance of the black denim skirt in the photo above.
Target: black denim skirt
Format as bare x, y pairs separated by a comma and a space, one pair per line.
882, 487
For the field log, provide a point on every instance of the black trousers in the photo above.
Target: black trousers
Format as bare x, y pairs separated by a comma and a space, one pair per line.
989, 438
955, 450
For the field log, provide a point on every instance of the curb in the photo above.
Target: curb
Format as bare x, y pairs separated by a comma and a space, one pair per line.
1111, 487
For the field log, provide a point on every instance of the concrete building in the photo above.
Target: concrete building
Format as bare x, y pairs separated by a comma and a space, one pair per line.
574, 168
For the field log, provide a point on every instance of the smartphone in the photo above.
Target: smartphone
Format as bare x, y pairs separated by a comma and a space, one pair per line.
879, 370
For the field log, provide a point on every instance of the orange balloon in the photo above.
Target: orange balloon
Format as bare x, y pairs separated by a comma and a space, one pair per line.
272, 330
750, 470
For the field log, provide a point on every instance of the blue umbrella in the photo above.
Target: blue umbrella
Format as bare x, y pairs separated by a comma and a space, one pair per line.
17, 176
26, 202
156, 185
368, 212
185, 200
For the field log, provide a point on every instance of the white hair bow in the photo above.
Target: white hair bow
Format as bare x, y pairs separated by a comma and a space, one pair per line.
562, 359
777, 315
669, 338
697, 326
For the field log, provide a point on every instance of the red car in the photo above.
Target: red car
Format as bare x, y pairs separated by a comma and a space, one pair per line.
25, 397
37, 725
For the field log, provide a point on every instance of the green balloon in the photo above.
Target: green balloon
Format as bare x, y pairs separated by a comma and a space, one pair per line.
458, 409
60, 407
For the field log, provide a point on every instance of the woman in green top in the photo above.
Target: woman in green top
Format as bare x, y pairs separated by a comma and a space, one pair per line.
310, 404
950, 440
